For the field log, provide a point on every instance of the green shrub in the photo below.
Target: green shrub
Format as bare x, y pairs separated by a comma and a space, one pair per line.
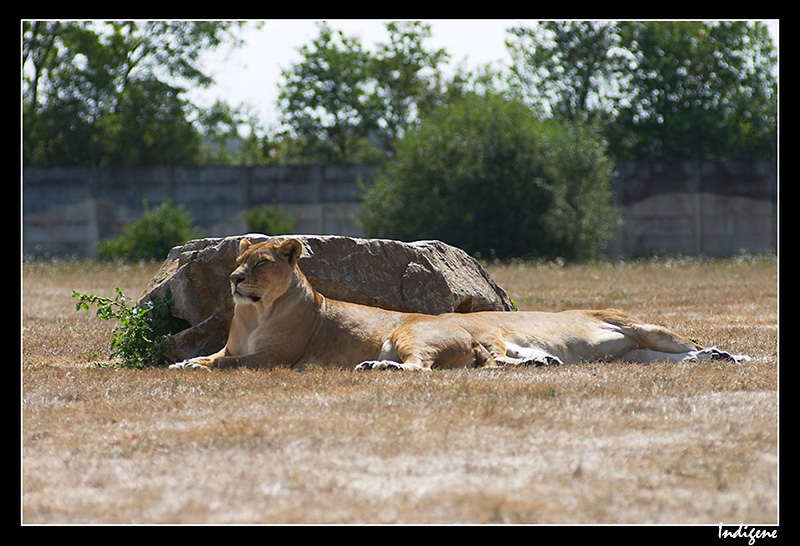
151, 236
139, 339
485, 175
267, 219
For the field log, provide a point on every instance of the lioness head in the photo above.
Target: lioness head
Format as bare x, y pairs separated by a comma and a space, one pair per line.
265, 270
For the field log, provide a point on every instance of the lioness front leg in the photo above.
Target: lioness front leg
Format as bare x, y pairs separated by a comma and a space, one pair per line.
221, 360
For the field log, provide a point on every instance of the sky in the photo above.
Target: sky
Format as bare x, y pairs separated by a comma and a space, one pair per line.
250, 74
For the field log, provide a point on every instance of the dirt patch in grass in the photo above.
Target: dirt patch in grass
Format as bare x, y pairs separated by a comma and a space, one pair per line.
592, 443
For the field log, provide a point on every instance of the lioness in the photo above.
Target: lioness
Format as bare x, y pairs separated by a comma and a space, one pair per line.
280, 320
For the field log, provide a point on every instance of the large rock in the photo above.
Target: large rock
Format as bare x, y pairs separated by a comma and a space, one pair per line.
425, 276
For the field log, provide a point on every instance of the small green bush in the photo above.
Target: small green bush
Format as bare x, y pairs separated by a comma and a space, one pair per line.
139, 339
151, 236
268, 220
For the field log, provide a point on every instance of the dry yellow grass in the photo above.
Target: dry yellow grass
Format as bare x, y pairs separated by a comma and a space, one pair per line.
592, 443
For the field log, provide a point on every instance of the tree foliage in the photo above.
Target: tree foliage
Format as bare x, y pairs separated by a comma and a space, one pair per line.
407, 80
659, 89
114, 92
324, 98
566, 69
344, 104
699, 91
485, 175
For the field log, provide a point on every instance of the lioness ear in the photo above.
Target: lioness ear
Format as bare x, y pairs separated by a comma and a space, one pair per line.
290, 250
244, 244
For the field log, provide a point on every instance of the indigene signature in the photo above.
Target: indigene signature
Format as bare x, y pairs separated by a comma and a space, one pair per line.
749, 533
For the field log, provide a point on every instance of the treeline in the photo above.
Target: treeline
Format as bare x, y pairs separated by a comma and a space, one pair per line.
115, 93
501, 161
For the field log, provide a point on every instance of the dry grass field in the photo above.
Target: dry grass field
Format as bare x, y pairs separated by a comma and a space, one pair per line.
692, 443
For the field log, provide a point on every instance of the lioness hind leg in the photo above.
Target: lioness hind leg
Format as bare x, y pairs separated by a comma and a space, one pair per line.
661, 344
647, 356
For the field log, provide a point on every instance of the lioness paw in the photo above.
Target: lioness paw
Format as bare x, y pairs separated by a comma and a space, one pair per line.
191, 364
539, 361
717, 354
712, 353
378, 365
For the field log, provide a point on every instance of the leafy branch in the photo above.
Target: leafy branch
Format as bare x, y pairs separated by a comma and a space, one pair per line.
139, 339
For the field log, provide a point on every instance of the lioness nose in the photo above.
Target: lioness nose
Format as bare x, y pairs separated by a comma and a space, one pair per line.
236, 278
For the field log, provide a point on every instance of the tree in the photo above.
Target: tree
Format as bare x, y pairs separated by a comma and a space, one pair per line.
148, 127
343, 103
567, 69
101, 93
324, 97
698, 91
224, 141
661, 89
407, 82
485, 175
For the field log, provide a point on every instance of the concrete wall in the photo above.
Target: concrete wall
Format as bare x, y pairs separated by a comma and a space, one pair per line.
694, 208
668, 208
66, 211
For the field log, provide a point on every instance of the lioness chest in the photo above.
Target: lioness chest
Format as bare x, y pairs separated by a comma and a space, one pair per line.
252, 333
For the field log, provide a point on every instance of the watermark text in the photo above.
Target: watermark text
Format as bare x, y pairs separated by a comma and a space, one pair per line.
750, 533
